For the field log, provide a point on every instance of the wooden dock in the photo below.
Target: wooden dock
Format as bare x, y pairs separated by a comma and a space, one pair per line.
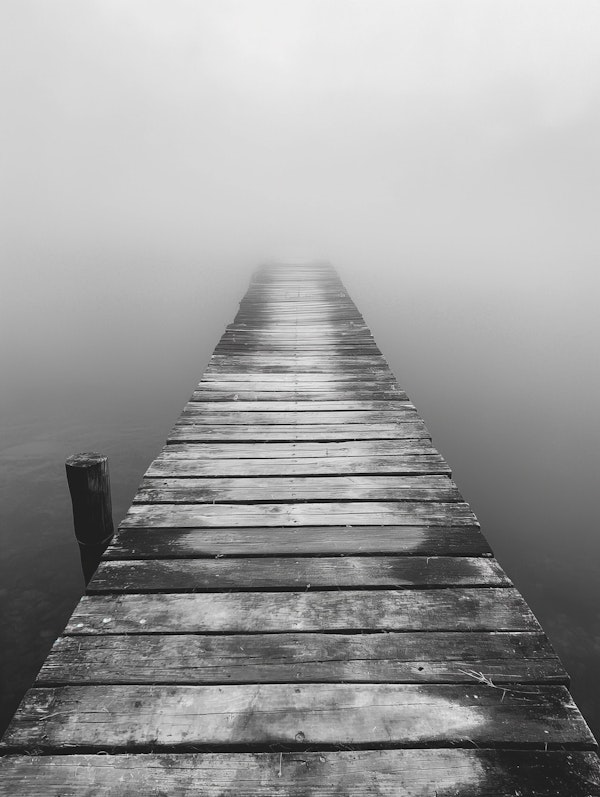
299, 601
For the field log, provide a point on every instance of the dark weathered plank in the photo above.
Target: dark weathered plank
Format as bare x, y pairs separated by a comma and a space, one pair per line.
483, 609
147, 542
297, 716
337, 572
409, 657
363, 488
351, 513
372, 773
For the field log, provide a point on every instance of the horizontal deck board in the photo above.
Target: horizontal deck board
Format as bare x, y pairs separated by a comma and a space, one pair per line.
307, 405
186, 432
409, 657
482, 609
357, 448
349, 393
200, 414
298, 488
187, 465
150, 543
358, 513
363, 572
309, 379
376, 773
300, 716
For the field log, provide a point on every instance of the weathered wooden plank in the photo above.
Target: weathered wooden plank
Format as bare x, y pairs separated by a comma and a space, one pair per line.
410, 657
348, 513
325, 334
337, 572
297, 716
309, 405
263, 380
292, 362
355, 448
339, 387
200, 433
482, 609
376, 773
147, 542
166, 465
198, 413
233, 346
360, 393
298, 488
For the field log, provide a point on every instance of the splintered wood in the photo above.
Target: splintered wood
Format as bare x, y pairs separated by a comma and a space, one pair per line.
299, 600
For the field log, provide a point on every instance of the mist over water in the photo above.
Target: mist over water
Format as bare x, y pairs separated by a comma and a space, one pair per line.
442, 156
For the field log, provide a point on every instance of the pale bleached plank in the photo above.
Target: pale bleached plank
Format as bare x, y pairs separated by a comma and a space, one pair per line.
483, 609
187, 465
186, 432
298, 716
266, 380
198, 413
348, 513
298, 488
355, 448
308, 405
361, 773
349, 393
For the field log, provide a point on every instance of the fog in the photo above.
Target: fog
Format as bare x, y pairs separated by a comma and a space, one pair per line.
443, 155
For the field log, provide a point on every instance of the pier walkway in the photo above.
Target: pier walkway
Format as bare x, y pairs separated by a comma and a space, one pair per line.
299, 601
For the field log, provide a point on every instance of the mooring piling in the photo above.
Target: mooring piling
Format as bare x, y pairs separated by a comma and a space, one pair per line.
89, 486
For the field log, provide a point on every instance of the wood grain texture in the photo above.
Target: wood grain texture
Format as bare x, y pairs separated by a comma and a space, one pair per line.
266, 573
150, 543
372, 773
298, 489
351, 513
358, 448
297, 716
198, 413
308, 405
358, 392
387, 657
201, 433
187, 465
487, 609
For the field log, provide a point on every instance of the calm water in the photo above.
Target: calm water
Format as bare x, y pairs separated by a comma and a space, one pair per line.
506, 381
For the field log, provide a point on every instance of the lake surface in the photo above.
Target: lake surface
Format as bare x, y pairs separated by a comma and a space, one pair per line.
505, 375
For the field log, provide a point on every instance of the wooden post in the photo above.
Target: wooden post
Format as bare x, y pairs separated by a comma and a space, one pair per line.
89, 485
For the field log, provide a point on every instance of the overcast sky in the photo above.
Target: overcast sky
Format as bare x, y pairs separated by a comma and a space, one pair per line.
286, 124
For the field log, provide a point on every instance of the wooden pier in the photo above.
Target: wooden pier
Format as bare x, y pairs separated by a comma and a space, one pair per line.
299, 601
